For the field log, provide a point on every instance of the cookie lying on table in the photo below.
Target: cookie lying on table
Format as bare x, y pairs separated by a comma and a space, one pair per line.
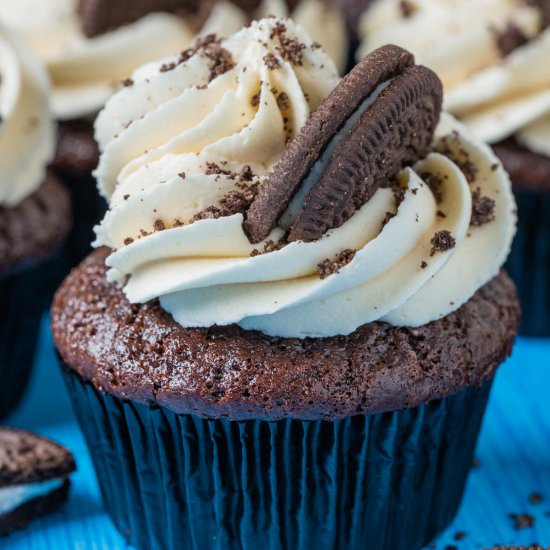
34, 477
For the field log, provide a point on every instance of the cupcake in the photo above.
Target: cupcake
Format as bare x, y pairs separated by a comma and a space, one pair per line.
286, 337
90, 47
35, 213
493, 64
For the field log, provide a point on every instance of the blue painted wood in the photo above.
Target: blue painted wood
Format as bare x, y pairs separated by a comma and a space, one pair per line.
514, 457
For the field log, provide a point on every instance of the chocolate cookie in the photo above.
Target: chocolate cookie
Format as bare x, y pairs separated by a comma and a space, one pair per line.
138, 352
33, 477
99, 16
380, 117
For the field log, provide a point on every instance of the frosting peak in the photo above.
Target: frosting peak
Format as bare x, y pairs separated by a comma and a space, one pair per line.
26, 128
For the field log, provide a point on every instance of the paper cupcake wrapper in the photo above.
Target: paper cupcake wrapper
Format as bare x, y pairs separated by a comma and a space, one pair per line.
385, 481
24, 296
89, 207
529, 261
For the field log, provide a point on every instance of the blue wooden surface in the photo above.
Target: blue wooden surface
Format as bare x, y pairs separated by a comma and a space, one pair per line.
514, 457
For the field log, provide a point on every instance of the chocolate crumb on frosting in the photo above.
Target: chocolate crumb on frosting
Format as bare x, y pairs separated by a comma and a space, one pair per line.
407, 8
522, 521
271, 62
459, 535
159, 225
442, 241
329, 267
435, 183
269, 246
509, 39
483, 209
290, 49
461, 158
221, 59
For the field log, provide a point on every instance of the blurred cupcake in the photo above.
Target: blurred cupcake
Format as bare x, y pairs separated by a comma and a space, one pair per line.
493, 61
35, 213
288, 337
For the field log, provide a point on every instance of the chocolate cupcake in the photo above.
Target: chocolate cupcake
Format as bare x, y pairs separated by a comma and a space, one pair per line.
287, 338
35, 213
492, 59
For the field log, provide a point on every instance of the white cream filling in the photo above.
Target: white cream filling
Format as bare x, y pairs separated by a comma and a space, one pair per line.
12, 498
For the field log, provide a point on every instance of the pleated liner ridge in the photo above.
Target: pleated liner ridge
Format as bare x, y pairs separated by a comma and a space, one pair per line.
529, 261
385, 481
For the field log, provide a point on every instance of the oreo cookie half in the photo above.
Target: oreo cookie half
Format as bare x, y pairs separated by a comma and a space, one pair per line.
33, 477
381, 117
100, 16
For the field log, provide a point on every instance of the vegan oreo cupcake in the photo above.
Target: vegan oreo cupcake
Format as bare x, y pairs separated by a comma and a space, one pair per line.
35, 213
287, 338
493, 61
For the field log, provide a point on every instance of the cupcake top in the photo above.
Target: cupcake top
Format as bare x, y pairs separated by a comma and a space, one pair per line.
372, 212
26, 127
492, 56
90, 46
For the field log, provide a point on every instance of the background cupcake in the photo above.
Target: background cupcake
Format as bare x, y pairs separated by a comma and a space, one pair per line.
493, 61
35, 214
316, 380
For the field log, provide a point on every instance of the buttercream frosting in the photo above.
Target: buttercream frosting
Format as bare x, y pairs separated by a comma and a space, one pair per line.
26, 127
179, 146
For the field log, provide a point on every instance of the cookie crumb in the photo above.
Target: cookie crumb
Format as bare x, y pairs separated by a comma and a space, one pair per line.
535, 498
158, 225
271, 62
522, 521
483, 209
329, 267
442, 241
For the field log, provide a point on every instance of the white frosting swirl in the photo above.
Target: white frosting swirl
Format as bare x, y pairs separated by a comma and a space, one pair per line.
496, 97
206, 272
85, 71
26, 128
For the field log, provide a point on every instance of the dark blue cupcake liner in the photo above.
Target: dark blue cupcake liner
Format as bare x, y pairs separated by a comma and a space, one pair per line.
529, 261
385, 481
24, 297
89, 207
